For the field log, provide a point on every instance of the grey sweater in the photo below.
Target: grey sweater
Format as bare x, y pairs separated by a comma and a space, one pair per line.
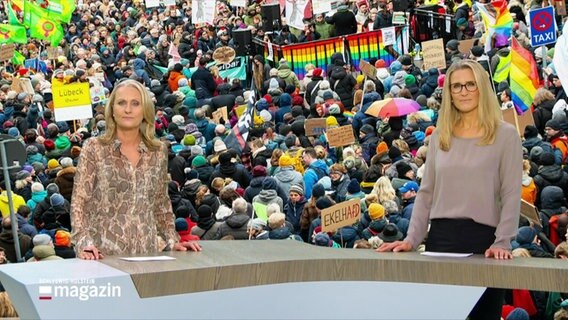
472, 181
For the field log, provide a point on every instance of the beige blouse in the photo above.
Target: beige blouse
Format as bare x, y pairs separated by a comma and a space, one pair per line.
119, 208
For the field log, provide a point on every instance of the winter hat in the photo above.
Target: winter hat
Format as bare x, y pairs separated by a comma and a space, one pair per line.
429, 130
526, 235
297, 110
318, 191
38, 166
453, 44
376, 211
409, 80
394, 153
220, 129
204, 211
62, 126
198, 161
22, 174
409, 186
56, 199
297, 189
380, 64
191, 128
285, 161
269, 183
353, 186
285, 100
219, 146
322, 240
367, 129
518, 314
225, 158
154, 83
179, 120
265, 115
262, 104
530, 132
477, 51
553, 124
181, 225
331, 121
324, 203
66, 162
405, 60
41, 239
13, 132
547, 159
196, 151
382, 74
62, 238
52, 164
62, 143
390, 233
189, 140
441, 80
317, 72
402, 168
395, 67
382, 148
334, 109
259, 171
257, 224
327, 95
273, 84
51, 189
422, 100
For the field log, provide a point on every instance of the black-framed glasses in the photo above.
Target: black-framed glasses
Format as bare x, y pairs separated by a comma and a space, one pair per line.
457, 87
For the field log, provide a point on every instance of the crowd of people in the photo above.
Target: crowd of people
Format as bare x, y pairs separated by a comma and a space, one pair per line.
276, 183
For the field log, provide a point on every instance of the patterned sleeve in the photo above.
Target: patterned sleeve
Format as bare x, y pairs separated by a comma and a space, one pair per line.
165, 217
83, 186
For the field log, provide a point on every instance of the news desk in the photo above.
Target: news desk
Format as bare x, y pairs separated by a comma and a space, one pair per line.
282, 279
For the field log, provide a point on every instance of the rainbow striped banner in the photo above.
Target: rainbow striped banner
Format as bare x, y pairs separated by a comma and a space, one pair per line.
355, 47
369, 45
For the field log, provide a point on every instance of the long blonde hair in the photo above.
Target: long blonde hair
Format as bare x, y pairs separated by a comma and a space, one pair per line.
147, 131
384, 190
488, 111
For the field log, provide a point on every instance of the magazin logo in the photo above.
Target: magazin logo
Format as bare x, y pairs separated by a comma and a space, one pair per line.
83, 292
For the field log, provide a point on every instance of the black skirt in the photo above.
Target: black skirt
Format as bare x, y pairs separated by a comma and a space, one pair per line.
468, 236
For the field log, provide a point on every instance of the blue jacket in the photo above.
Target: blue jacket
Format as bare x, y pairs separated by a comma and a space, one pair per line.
294, 212
138, 66
311, 176
360, 116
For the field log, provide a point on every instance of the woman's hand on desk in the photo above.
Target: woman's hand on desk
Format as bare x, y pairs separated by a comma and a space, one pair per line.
498, 253
188, 245
90, 253
397, 246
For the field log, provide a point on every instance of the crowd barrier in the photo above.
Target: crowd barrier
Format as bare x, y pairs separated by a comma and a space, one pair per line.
270, 280
353, 47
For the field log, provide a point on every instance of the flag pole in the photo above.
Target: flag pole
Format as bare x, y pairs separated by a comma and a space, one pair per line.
544, 56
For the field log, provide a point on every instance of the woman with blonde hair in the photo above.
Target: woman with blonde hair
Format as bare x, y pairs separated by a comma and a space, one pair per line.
472, 181
384, 190
120, 203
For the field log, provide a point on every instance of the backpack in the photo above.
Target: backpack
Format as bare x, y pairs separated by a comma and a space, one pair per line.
297, 158
564, 142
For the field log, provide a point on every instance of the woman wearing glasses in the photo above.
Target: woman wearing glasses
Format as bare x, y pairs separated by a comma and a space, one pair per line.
471, 188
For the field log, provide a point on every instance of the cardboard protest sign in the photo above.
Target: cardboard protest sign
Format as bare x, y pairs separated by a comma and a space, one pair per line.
26, 85
466, 45
220, 113
519, 121
52, 52
530, 212
434, 54
315, 126
340, 215
340, 136
368, 69
7, 51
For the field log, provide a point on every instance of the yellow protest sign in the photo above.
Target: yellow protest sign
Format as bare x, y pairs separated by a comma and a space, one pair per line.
72, 102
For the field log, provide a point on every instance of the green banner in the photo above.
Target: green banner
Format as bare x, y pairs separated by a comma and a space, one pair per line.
236, 69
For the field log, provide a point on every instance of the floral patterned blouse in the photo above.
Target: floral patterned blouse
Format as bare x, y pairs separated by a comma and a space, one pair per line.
119, 208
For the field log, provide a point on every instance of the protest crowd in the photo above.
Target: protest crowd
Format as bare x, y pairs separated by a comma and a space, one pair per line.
256, 173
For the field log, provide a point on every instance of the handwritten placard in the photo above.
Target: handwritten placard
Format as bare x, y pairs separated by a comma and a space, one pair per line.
466, 45
220, 113
434, 54
340, 136
7, 51
530, 212
368, 69
315, 126
340, 215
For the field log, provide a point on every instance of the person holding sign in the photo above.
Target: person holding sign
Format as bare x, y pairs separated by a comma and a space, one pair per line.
120, 203
472, 183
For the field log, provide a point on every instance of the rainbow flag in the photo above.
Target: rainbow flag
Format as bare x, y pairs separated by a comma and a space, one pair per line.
498, 23
523, 77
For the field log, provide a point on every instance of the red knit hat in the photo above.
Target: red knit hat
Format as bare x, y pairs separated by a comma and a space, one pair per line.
380, 64
49, 145
297, 101
317, 72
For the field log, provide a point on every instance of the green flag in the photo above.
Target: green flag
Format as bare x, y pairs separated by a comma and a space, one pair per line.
42, 27
12, 34
18, 58
13, 15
